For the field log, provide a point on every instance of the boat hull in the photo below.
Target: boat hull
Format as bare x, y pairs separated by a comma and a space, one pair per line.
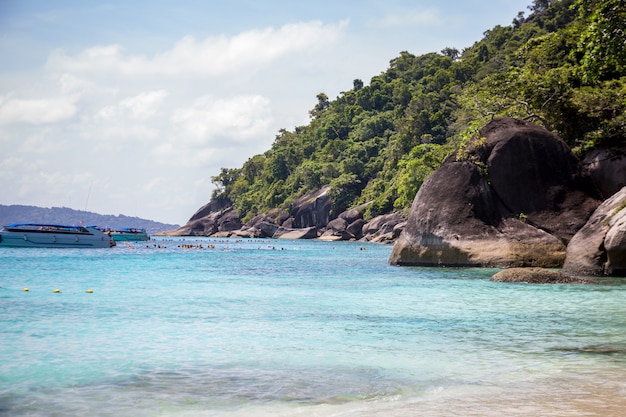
87, 238
129, 236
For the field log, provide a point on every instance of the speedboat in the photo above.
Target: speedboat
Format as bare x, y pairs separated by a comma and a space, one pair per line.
129, 234
35, 235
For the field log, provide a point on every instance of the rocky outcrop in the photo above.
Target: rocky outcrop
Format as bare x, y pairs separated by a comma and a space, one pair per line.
338, 230
513, 200
307, 218
263, 225
312, 210
301, 233
347, 226
384, 229
213, 206
350, 225
599, 248
222, 221
538, 276
607, 168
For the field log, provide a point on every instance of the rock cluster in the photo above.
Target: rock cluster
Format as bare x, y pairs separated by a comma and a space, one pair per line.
308, 218
515, 199
350, 226
519, 198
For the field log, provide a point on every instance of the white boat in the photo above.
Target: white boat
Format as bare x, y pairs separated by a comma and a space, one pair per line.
35, 235
129, 234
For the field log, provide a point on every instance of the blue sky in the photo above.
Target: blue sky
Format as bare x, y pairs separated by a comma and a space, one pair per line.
129, 107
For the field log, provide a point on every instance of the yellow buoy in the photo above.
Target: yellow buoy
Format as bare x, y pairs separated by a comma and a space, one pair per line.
26, 290
89, 291
57, 290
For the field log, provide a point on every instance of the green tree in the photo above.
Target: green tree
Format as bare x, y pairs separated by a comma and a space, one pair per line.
224, 182
343, 192
540, 5
322, 104
452, 53
603, 42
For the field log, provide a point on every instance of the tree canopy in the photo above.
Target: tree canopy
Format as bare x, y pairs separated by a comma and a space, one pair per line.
563, 66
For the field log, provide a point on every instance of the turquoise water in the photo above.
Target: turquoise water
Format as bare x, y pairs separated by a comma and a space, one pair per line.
297, 328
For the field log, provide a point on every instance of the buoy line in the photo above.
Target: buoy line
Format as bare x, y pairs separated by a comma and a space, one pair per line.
56, 290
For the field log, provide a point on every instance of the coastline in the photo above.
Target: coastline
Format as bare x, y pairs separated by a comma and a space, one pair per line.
555, 398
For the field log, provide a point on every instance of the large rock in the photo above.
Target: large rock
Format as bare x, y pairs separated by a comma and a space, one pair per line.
384, 228
615, 244
229, 221
599, 248
351, 215
210, 223
356, 228
347, 226
264, 225
302, 233
337, 229
607, 168
514, 200
210, 208
312, 210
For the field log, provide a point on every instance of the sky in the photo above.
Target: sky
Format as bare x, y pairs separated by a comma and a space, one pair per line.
130, 107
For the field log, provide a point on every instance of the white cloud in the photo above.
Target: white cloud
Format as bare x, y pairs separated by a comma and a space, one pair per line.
36, 111
73, 86
144, 105
141, 106
128, 121
40, 141
10, 164
52, 186
238, 118
213, 56
153, 127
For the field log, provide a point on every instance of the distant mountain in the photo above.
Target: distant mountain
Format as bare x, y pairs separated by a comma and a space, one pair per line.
64, 215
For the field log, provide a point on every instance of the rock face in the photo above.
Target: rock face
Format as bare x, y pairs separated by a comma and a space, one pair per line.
210, 219
337, 230
384, 228
599, 248
312, 210
514, 200
607, 168
351, 226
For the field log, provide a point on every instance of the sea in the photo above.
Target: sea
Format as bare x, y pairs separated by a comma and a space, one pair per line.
198, 327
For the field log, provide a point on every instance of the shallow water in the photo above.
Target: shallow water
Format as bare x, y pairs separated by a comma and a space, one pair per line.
306, 328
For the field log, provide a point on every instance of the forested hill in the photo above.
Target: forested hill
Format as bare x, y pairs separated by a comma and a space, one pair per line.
562, 66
